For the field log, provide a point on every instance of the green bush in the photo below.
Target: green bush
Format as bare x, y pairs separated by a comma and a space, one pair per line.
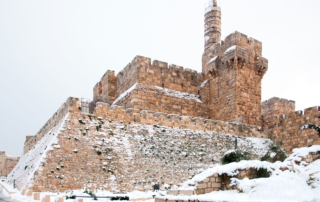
235, 156
274, 154
263, 172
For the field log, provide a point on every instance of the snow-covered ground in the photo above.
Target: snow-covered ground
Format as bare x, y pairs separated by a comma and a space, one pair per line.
299, 182
135, 195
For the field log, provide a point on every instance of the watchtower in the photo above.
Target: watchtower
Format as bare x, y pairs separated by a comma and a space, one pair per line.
212, 26
235, 67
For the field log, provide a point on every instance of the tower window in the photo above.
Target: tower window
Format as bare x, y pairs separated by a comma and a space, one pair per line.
163, 85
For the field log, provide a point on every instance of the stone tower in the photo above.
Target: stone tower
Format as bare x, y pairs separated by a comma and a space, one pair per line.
212, 26
235, 67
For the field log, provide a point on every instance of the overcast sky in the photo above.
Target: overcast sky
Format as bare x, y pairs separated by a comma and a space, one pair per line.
51, 50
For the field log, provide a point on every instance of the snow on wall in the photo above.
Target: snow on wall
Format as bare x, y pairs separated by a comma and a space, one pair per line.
24, 171
124, 94
179, 94
232, 48
204, 83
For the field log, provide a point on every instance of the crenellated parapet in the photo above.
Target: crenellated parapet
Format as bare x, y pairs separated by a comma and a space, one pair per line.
143, 70
285, 128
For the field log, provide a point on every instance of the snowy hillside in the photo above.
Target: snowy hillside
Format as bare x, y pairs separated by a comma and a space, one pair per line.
291, 180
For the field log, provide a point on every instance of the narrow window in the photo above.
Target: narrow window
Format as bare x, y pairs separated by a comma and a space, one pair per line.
163, 85
182, 85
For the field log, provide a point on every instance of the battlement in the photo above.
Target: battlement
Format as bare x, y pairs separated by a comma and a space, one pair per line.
275, 107
286, 128
235, 45
143, 70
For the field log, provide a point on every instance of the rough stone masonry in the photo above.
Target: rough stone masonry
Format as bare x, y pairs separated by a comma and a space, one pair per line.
225, 98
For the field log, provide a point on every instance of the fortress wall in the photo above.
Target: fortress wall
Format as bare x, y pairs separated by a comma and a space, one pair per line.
173, 77
154, 99
129, 75
275, 107
287, 128
142, 70
71, 105
173, 120
137, 154
7, 163
235, 86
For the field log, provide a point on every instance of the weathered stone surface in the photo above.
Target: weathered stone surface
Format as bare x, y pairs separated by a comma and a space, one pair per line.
36, 196
7, 163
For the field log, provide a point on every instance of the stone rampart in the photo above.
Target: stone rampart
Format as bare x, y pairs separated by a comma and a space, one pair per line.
174, 120
286, 129
105, 152
142, 70
274, 107
7, 163
71, 105
164, 100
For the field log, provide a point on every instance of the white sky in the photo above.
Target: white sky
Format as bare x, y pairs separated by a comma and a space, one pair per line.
50, 50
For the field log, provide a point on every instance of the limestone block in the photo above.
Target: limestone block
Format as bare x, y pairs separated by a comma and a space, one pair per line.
200, 191
208, 190
29, 193
46, 199
186, 192
206, 180
216, 185
23, 191
36, 196
202, 186
173, 192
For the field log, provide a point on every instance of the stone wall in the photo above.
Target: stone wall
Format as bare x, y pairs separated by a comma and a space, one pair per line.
286, 129
156, 99
106, 89
7, 163
71, 105
236, 68
174, 120
221, 182
133, 156
275, 107
142, 70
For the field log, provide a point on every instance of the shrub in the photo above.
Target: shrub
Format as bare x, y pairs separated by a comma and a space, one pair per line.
99, 152
274, 154
82, 122
235, 156
262, 172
